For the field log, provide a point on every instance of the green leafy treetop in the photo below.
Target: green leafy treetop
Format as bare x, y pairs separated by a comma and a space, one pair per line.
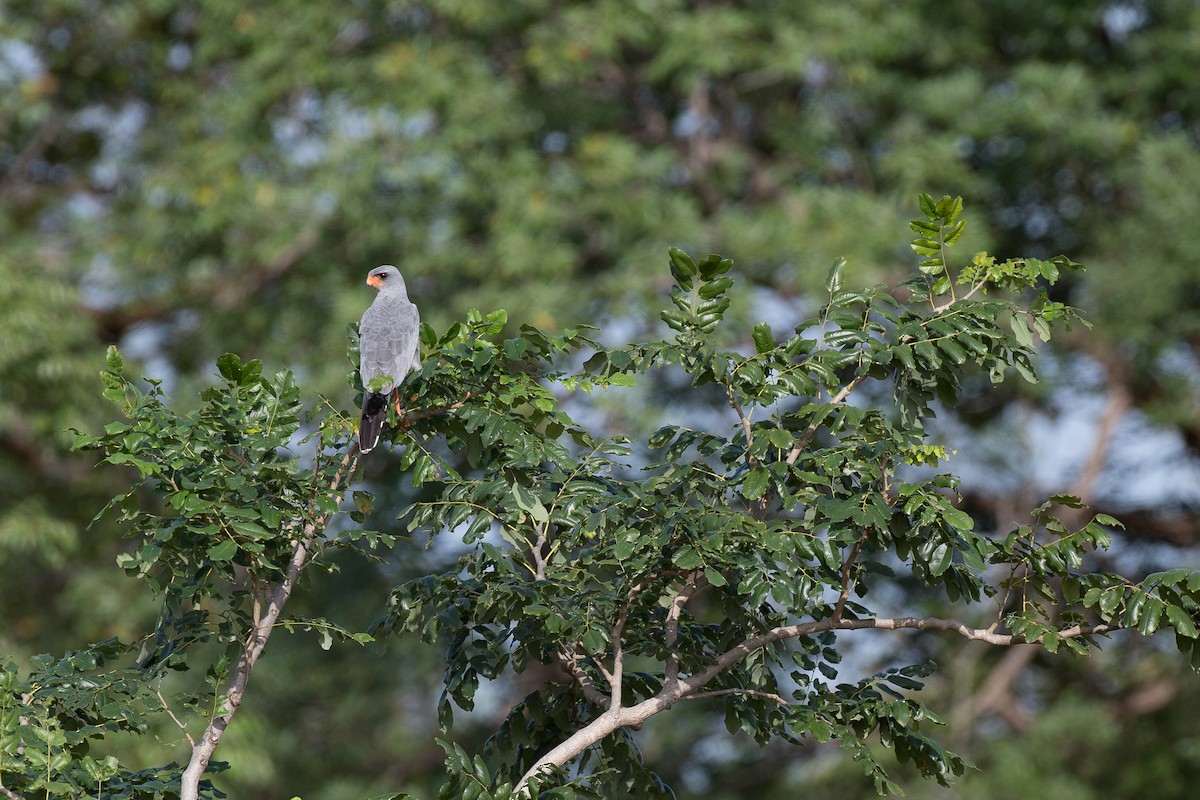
716, 565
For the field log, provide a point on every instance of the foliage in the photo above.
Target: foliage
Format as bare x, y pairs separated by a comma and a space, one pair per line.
713, 564
718, 563
185, 180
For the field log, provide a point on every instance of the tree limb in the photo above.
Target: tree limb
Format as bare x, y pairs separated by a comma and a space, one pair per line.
570, 660
174, 718
203, 750
847, 567
693, 582
685, 688
733, 403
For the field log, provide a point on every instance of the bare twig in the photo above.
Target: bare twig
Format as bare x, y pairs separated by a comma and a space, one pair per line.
174, 718
433, 412
692, 583
953, 300
847, 568
264, 624
749, 692
806, 437
733, 403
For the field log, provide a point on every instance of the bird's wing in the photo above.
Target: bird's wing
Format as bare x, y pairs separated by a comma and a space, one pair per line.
388, 341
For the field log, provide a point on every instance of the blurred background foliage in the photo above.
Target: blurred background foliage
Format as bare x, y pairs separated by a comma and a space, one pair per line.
189, 178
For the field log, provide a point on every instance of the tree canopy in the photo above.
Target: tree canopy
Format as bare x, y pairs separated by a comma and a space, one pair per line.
185, 180
724, 563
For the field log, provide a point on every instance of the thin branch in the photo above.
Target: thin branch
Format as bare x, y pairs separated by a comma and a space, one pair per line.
692, 583
433, 412
9, 793
953, 300
608, 676
847, 567
174, 718
749, 692
539, 561
811, 430
733, 403
759, 510
571, 661
737, 653
257, 640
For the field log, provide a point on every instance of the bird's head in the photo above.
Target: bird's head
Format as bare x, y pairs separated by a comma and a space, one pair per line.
385, 277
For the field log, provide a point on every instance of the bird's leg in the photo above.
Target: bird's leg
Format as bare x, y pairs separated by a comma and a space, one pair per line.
403, 422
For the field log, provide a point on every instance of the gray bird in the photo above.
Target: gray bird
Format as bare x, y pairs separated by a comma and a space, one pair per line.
388, 344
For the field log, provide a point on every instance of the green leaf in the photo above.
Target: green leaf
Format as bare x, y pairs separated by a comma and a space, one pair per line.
756, 482
714, 577
940, 559
957, 231
1020, 329
113, 360
764, 341
927, 206
529, 502
780, 438
682, 267
687, 558
223, 550
833, 280
230, 367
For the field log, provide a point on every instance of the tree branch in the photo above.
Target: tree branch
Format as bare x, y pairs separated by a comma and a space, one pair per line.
618, 668
203, 750
759, 509
847, 567
174, 718
570, 661
692, 583
944, 306
9, 793
539, 561
750, 692
681, 689
433, 412
804, 438
733, 403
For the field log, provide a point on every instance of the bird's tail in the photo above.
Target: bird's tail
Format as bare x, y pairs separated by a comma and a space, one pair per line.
370, 426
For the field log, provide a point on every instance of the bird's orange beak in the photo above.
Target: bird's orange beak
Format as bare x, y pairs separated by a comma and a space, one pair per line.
373, 281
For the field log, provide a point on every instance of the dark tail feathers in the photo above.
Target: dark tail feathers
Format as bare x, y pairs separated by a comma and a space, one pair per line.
370, 426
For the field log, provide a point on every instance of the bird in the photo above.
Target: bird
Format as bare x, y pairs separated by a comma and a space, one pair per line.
388, 345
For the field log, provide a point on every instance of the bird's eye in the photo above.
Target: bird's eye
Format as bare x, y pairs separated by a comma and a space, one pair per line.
382, 276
